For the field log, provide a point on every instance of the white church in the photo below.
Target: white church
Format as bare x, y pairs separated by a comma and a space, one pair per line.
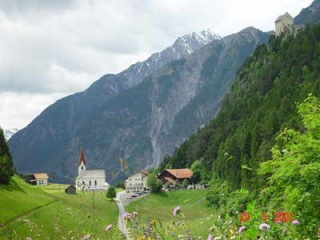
90, 179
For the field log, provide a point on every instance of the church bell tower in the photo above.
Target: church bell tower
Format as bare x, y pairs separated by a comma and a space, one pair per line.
82, 162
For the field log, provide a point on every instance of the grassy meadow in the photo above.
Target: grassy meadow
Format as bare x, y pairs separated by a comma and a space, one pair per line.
195, 218
47, 212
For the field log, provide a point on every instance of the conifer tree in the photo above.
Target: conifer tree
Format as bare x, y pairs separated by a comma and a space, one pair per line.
6, 165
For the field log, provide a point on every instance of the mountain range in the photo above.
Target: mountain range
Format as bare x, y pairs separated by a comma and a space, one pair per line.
141, 114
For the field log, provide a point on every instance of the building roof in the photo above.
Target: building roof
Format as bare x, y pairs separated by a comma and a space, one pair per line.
138, 173
81, 157
180, 173
92, 174
41, 175
71, 186
282, 16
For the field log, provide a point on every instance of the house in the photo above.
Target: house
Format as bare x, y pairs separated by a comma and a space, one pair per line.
29, 178
70, 190
41, 179
89, 179
137, 182
174, 176
284, 23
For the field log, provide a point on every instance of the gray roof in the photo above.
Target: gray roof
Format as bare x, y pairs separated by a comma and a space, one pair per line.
282, 16
92, 174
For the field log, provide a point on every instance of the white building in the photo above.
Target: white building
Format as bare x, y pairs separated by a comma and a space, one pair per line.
41, 178
137, 182
89, 179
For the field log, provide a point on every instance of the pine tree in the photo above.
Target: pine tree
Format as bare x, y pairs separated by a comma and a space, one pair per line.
6, 165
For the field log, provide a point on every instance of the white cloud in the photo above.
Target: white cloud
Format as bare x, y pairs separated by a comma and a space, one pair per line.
62, 46
18, 109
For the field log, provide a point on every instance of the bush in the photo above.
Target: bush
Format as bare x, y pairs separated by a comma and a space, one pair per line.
111, 193
154, 183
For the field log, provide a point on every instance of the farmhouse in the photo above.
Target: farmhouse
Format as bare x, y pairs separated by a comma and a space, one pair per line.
39, 179
89, 179
174, 176
137, 182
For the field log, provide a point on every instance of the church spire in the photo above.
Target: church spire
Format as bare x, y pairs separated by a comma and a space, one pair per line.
81, 157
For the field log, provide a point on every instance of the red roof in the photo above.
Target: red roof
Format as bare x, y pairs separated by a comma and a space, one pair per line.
81, 157
41, 175
180, 173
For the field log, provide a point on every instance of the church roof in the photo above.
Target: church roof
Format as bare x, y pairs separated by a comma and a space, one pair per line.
92, 174
81, 157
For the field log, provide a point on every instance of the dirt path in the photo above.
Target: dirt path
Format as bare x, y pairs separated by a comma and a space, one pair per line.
121, 196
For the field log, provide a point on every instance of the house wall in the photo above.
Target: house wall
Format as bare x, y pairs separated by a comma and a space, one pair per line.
166, 174
90, 183
42, 181
285, 24
136, 183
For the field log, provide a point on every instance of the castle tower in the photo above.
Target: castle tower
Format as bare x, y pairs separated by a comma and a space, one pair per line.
82, 162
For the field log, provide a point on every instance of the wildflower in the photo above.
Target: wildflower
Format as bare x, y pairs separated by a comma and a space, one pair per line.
210, 237
264, 226
295, 222
176, 210
241, 229
85, 237
108, 227
134, 214
125, 216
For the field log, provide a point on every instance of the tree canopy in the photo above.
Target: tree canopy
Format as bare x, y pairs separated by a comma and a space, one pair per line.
6, 165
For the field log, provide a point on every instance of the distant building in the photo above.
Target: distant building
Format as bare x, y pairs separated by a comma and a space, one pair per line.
284, 23
41, 178
70, 190
89, 179
137, 182
175, 176
36, 179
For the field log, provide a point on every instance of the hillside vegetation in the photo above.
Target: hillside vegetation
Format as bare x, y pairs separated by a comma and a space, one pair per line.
250, 129
47, 212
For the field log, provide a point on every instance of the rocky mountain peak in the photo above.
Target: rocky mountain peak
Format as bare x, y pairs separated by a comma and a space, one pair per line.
193, 41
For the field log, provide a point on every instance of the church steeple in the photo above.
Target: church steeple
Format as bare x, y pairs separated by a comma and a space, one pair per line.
82, 162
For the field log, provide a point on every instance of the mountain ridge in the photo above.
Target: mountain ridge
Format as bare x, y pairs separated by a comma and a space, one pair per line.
135, 123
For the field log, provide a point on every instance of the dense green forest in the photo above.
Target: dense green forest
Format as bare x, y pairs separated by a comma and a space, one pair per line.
264, 106
6, 165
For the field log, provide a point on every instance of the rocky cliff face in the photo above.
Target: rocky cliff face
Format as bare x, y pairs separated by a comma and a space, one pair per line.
139, 115
309, 15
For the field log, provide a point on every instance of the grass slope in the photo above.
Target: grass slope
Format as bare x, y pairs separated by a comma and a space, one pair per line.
49, 213
18, 198
195, 217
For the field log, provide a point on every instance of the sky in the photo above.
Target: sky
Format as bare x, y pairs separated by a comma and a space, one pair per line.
54, 48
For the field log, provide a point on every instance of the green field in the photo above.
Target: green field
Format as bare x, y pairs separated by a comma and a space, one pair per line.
195, 218
47, 212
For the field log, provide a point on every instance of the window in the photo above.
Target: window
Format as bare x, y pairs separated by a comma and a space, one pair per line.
90, 182
95, 182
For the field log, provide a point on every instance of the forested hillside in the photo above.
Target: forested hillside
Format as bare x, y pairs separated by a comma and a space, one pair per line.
6, 165
262, 103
